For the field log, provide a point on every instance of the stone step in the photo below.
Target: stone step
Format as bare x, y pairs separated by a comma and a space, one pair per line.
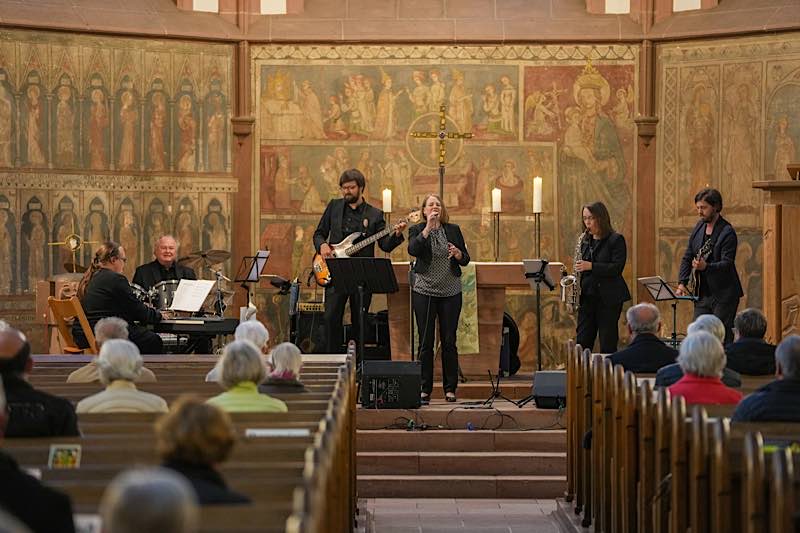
482, 389
444, 415
461, 440
398, 486
462, 463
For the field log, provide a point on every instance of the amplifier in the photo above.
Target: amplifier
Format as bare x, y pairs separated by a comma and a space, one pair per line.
308, 331
550, 389
390, 384
311, 307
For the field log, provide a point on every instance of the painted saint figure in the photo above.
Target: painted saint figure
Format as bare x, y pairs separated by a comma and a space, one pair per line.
158, 120
128, 117
37, 238
98, 123
188, 135
6, 126
5, 253
35, 134
461, 107
216, 135
65, 128
785, 150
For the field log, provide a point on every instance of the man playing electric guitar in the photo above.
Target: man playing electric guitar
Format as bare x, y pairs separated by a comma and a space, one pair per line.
349, 214
709, 263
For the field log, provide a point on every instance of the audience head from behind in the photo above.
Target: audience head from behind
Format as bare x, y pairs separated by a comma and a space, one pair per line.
702, 354
149, 500
710, 324
4, 325
110, 328
195, 432
749, 323
241, 362
15, 353
787, 358
286, 361
643, 318
253, 331
119, 359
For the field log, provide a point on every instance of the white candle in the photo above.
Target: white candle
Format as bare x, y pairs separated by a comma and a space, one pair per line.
496, 202
387, 200
537, 194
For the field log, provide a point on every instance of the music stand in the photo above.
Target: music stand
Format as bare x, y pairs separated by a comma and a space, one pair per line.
536, 272
660, 291
359, 275
250, 270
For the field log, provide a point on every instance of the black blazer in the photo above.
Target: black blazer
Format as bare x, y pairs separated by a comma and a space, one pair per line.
148, 274
670, 374
721, 275
751, 357
329, 228
608, 261
208, 484
645, 353
420, 247
109, 294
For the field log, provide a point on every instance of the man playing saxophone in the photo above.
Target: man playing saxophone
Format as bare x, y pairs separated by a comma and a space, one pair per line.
709, 263
602, 288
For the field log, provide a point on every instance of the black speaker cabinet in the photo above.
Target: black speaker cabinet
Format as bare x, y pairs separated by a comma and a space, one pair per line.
309, 332
390, 384
550, 389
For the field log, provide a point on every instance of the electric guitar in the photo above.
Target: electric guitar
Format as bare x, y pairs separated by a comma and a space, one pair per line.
348, 247
693, 286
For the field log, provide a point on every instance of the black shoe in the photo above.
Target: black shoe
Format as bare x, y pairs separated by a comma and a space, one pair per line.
450, 396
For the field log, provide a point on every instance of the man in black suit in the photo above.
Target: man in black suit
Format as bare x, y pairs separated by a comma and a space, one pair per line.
25, 497
646, 352
717, 283
749, 353
164, 267
776, 401
349, 214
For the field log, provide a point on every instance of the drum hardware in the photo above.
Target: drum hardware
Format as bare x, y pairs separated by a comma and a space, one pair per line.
204, 259
74, 268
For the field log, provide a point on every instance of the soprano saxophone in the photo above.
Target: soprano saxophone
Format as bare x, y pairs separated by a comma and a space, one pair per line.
571, 283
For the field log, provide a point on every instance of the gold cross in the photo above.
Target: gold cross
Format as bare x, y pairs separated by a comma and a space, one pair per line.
74, 242
443, 135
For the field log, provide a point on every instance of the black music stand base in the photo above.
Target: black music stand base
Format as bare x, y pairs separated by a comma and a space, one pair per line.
496, 393
538, 278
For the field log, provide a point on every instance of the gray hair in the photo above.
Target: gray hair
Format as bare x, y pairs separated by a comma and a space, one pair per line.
241, 361
710, 324
149, 499
751, 323
108, 328
4, 325
643, 318
119, 359
286, 356
702, 354
787, 355
158, 242
253, 331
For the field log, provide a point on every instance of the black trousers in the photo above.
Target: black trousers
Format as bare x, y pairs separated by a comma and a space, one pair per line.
147, 341
725, 311
426, 311
596, 318
334, 314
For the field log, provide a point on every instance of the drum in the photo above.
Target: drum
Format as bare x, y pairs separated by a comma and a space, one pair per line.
140, 294
164, 292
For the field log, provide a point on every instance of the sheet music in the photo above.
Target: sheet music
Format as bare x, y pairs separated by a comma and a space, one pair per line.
258, 265
658, 288
190, 294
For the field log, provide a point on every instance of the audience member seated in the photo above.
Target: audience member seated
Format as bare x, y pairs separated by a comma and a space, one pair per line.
670, 374
106, 329
119, 364
249, 330
749, 353
242, 371
26, 498
285, 376
31, 413
149, 499
646, 352
776, 401
192, 440
702, 359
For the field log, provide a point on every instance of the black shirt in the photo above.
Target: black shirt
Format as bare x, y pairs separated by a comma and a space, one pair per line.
353, 219
152, 273
703, 288
774, 402
587, 279
751, 356
645, 353
207, 483
33, 413
41, 508
109, 294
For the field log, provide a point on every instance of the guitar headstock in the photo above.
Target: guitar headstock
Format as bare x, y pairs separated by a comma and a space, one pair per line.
414, 216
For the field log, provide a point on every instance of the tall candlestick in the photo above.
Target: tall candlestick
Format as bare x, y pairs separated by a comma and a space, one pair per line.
496, 201
387, 200
537, 194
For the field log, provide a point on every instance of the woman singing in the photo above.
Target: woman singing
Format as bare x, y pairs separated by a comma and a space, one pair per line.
440, 251
603, 289
105, 291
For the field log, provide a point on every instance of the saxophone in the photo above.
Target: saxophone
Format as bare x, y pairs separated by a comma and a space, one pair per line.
571, 284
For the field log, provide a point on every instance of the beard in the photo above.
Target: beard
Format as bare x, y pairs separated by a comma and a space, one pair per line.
351, 198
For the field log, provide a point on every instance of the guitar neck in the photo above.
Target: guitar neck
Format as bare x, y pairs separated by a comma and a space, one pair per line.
369, 240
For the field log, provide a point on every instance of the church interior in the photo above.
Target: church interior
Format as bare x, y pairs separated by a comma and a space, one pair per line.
228, 123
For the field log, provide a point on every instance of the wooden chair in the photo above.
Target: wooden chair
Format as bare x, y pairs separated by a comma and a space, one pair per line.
64, 309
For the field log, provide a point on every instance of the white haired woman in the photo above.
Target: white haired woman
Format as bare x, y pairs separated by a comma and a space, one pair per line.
249, 330
242, 371
285, 376
119, 365
702, 359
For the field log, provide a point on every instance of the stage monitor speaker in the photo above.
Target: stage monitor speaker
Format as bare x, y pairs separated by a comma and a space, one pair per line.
550, 389
390, 384
309, 331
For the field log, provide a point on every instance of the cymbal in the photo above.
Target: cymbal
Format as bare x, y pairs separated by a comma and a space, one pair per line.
204, 258
74, 268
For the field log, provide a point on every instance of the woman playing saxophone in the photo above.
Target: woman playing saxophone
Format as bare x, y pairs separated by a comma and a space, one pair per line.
602, 288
